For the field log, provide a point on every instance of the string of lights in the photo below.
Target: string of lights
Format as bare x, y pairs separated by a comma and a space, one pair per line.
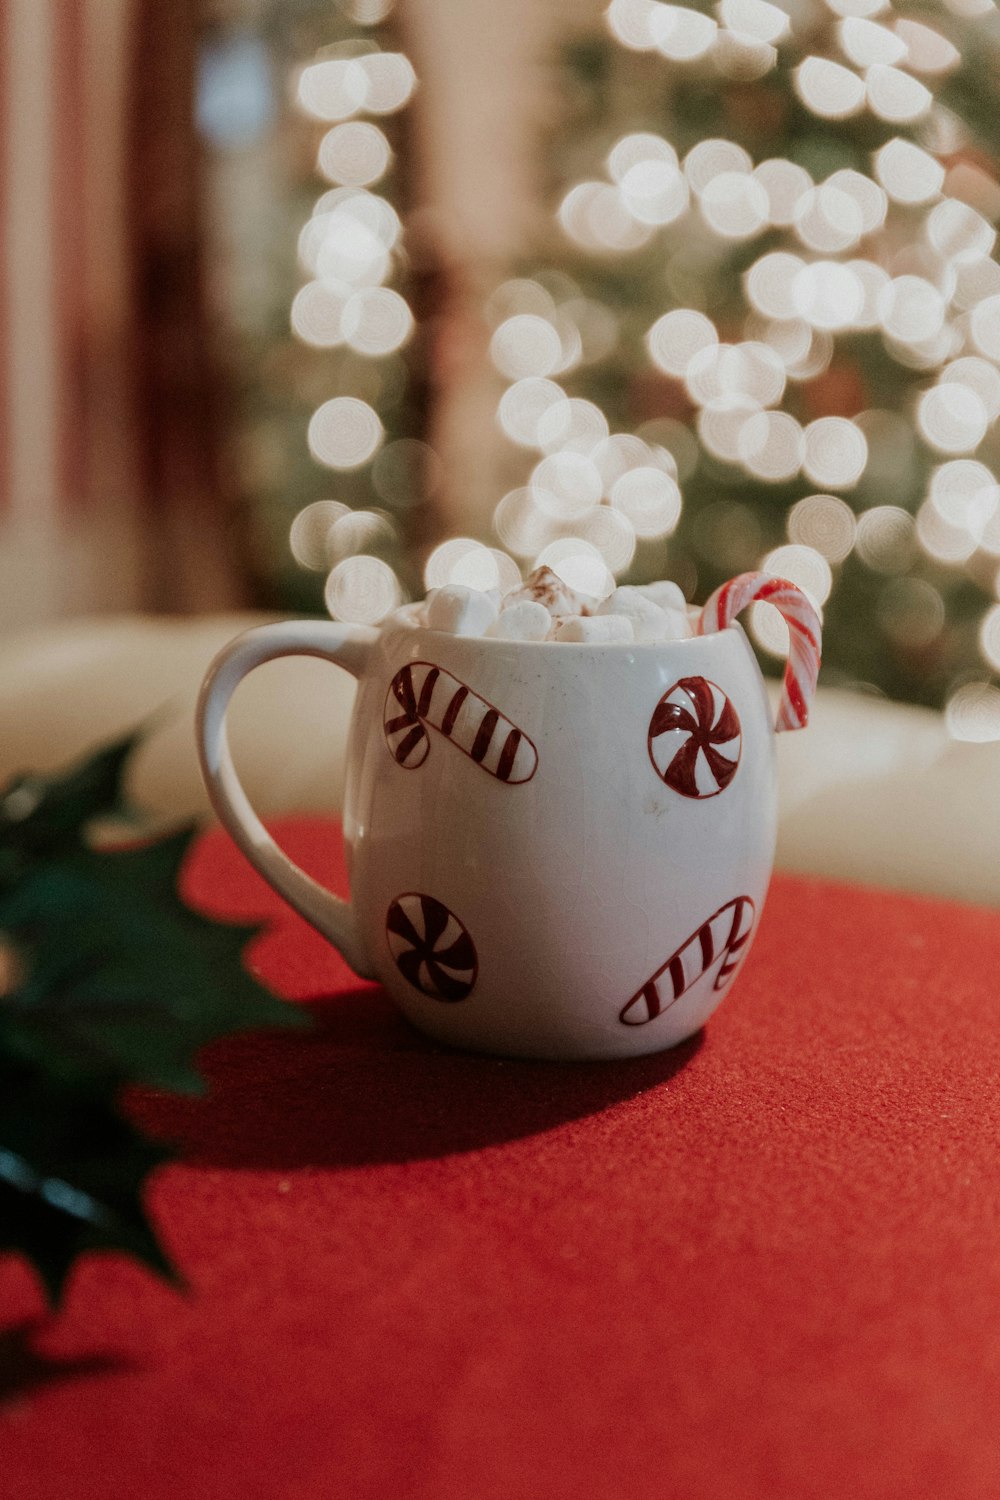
769, 333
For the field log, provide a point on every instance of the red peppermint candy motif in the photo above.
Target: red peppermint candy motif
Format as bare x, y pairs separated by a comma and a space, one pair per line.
431, 947
695, 738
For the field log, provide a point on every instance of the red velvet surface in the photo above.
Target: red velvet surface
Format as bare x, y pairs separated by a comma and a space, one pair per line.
765, 1265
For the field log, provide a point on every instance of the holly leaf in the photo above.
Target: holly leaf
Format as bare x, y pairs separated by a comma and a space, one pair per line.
107, 979
120, 975
42, 813
72, 1175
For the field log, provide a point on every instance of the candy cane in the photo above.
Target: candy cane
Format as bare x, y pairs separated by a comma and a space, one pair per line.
726, 934
804, 633
421, 694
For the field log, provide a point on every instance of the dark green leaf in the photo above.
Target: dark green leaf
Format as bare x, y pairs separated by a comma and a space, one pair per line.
72, 1173
109, 979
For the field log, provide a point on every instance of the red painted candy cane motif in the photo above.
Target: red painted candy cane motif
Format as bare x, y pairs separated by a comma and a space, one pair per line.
725, 934
695, 738
421, 694
804, 633
431, 948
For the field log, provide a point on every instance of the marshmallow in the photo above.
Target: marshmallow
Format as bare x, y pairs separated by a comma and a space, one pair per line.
527, 620
679, 626
547, 588
459, 610
595, 630
649, 621
667, 595
414, 615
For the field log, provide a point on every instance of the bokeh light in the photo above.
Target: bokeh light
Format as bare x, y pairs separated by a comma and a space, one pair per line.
835, 453
989, 637
681, 34
824, 523
828, 89
966, 495
952, 418
654, 192
896, 96
362, 591
612, 533
596, 217
958, 233
390, 80
573, 425
769, 284
677, 337
864, 42
941, 539
911, 309
735, 205
519, 524
802, 565
524, 404
355, 154
649, 499
785, 183
927, 51
344, 433
827, 294
711, 158
909, 174
333, 89
359, 531
566, 484
309, 537
376, 321
973, 713
911, 612
317, 315
526, 345
770, 446
885, 539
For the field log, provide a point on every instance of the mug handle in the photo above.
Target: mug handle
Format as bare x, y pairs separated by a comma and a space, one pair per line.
347, 646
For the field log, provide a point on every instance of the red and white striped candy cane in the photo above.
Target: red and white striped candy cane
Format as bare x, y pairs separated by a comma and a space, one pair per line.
804, 630
725, 934
422, 694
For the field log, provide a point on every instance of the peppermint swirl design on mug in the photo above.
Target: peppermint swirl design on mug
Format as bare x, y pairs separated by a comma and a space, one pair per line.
431, 947
695, 738
422, 695
726, 933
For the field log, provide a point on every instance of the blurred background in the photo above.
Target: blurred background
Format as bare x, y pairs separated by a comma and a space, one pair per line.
312, 304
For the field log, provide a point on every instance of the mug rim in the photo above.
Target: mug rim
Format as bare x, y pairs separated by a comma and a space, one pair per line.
413, 628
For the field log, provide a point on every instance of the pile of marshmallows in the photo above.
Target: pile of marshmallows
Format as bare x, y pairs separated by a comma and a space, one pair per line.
545, 608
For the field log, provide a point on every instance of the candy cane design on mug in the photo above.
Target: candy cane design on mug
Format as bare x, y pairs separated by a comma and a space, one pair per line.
724, 935
431, 947
422, 695
695, 738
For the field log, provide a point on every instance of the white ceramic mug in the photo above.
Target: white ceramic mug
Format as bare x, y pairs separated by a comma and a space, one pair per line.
555, 850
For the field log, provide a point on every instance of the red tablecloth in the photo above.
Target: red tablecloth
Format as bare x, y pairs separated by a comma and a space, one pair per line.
765, 1266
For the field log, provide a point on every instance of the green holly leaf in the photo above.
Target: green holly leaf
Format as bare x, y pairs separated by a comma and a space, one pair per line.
72, 1174
120, 975
41, 813
107, 979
